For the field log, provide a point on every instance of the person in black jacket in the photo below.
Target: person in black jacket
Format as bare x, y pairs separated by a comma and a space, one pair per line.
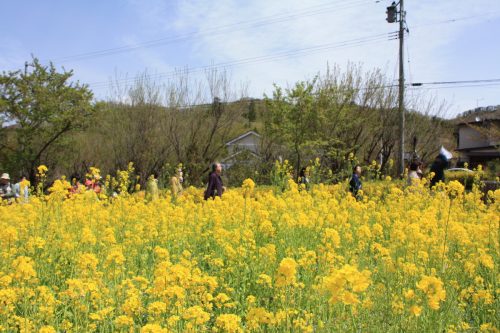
355, 182
215, 186
304, 177
438, 167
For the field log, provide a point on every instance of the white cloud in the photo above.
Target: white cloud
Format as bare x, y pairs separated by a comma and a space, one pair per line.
430, 46
427, 44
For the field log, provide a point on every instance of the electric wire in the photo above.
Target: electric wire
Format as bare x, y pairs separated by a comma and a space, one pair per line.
453, 20
259, 59
228, 28
488, 85
416, 84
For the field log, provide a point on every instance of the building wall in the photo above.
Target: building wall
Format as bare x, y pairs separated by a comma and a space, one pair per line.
470, 138
250, 142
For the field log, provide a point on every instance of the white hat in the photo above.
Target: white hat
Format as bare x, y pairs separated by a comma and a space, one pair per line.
5, 176
445, 153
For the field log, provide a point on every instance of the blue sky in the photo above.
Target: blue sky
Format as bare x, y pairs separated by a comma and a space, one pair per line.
465, 49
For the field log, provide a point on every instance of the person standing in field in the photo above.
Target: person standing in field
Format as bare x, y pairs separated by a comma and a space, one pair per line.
415, 173
6, 190
76, 185
22, 188
176, 183
437, 168
92, 183
304, 177
152, 188
355, 182
215, 186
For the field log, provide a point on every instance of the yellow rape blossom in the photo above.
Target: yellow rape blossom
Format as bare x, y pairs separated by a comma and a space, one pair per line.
47, 329
229, 323
433, 289
286, 273
260, 259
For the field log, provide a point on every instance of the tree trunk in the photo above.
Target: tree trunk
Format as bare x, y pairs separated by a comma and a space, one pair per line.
297, 167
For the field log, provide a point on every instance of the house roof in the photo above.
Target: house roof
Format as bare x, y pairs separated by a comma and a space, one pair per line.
244, 135
237, 153
489, 147
478, 121
10, 125
479, 117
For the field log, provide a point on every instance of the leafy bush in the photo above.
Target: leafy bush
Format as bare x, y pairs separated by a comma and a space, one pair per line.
466, 178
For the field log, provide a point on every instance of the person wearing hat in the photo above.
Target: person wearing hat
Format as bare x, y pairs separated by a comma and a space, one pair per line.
6, 191
437, 168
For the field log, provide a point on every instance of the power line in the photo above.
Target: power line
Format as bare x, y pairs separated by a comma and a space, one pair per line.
453, 20
418, 84
255, 60
248, 60
319, 9
280, 55
448, 84
457, 86
242, 62
259, 59
255, 23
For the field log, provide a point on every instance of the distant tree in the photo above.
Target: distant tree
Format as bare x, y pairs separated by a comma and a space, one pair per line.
344, 113
293, 117
251, 114
156, 124
197, 137
42, 106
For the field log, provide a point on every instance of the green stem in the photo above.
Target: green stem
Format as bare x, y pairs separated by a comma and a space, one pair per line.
446, 235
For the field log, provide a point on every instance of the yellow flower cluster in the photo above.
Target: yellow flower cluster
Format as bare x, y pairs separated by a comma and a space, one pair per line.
344, 284
248, 186
256, 260
433, 289
42, 170
287, 271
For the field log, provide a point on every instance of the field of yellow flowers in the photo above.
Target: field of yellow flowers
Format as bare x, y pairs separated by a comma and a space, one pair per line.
256, 261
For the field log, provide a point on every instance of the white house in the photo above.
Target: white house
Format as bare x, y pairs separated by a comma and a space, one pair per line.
248, 143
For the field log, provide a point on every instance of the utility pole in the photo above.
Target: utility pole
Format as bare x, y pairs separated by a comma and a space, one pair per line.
392, 16
401, 89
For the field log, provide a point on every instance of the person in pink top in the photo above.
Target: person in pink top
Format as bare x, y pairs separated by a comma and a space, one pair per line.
93, 184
